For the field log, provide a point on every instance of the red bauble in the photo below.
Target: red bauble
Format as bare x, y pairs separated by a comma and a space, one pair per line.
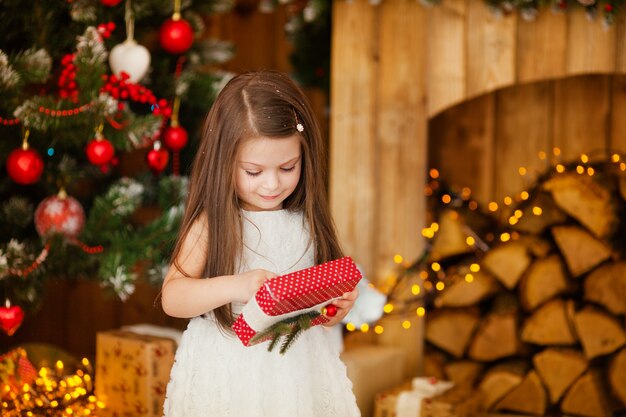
157, 159
175, 137
59, 214
330, 310
110, 3
176, 36
11, 318
99, 151
24, 166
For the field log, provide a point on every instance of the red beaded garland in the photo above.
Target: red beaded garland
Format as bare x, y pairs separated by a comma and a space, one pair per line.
176, 36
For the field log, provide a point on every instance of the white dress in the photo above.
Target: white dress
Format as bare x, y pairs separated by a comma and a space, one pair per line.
214, 374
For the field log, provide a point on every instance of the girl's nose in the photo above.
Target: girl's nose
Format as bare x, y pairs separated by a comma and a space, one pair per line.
271, 181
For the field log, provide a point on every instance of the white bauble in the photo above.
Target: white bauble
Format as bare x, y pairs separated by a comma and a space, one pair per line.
131, 58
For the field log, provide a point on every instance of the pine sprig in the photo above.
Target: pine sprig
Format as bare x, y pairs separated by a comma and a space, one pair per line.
290, 328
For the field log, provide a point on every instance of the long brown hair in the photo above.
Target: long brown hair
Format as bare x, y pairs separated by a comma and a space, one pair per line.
263, 103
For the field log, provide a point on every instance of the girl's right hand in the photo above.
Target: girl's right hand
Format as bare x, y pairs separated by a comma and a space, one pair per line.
248, 283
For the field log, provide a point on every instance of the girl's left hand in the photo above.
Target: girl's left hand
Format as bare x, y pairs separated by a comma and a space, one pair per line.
344, 304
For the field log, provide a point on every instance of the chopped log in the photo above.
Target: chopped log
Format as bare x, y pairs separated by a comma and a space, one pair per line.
599, 332
587, 397
507, 262
606, 286
497, 383
463, 293
463, 372
451, 330
450, 239
433, 364
545, 279
528, 397
559, 369
584, 199
538, 247
550, 324
458, 401
582, 251
551, 215
617, 375
495, 338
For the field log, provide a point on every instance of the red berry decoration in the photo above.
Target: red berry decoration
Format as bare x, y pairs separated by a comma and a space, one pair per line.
175, 137
59, 214
330, 310
99, 151
11, 318
25, 165
110, 3
157, 158
176, 36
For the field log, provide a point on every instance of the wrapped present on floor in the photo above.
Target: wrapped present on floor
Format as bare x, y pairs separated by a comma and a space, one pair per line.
132, 372
296, 299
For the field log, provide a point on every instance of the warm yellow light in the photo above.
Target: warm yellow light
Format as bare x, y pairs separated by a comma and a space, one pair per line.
474, 267
513, 220
379, 329
556, 151
440, 286
100, 404
85, 362
524, 195
398, 259
434, 226
542, 155
26, 388
435, 266
69, 410
424, 274
590, 171
388, 308
365, 327
473, 205
421, 311
469, 277
428, 285
580, 169
434, 173
522, 171
415, 289
465, 193
428, 191
428, 233
560, 168
54, 403
508, 201
406, 324
493, 206
622, 166
584, 158
470, 241
446, 198
537, 211
350, 327
615, 157
518, 213
505, 237
59, 365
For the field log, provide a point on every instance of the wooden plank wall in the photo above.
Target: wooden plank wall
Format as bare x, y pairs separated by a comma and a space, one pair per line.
382, 100
582, 114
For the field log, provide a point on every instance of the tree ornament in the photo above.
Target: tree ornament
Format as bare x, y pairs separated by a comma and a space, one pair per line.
176, 34
11, 318
129, 56
24, 165
330, 310
157, 158
99, 150
59, 213
175, 136
110, 3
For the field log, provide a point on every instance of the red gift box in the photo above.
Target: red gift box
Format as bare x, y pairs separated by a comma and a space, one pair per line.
293, 294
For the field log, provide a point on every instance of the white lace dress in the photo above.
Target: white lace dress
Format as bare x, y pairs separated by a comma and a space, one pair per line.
215, 375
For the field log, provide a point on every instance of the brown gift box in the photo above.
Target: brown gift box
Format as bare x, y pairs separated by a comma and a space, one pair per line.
132, 372
371, 369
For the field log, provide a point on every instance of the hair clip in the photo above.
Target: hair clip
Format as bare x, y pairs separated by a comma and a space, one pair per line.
299, 127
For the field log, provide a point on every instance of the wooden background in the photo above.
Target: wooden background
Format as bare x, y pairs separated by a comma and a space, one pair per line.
398, 65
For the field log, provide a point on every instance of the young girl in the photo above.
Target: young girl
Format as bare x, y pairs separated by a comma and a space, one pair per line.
256, 209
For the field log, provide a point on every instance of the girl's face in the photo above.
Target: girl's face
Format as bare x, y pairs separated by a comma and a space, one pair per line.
267, 171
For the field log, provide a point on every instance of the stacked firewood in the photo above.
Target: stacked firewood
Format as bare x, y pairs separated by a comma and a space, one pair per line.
536, 318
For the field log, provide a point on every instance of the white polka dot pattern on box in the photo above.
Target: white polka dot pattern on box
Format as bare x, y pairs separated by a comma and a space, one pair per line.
301, 290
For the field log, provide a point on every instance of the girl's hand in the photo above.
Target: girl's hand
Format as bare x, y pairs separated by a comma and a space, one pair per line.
344, 305
248, 283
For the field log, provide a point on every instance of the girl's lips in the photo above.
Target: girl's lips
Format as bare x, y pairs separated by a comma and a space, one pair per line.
270, 197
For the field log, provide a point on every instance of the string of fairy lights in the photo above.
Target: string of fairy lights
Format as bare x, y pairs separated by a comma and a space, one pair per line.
427, 278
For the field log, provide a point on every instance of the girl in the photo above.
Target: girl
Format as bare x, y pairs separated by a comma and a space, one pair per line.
256, 209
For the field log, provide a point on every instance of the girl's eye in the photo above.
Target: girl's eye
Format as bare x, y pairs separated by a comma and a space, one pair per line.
288, 169
253, 174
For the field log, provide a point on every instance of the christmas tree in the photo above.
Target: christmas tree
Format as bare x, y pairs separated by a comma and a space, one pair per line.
102, 101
